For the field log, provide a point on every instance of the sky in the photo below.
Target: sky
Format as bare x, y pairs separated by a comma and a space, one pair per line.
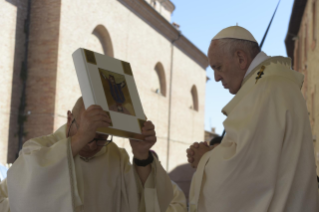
201, 20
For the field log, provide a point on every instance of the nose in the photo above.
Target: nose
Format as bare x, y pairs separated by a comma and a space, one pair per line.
217, 76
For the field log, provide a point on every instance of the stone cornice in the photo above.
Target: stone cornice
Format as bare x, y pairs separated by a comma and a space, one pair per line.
168, 5
160, 24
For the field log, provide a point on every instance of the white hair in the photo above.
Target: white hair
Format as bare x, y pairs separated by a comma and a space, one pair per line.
230, 46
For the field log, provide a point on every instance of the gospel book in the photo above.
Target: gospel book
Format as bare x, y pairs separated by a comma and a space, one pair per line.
109, 82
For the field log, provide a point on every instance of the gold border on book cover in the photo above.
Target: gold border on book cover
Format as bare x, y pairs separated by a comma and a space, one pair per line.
90, 57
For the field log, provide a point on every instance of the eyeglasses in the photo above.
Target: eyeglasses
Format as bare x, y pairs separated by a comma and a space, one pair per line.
99, 142
102, 142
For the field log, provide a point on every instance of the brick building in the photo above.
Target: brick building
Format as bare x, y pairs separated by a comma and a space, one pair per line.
302, 47
169, 70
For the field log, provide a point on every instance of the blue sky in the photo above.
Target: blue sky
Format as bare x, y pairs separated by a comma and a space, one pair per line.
201, 20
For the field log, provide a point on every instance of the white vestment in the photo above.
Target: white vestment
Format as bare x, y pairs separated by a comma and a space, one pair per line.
46, 177
265, 162
178, 203
4, 200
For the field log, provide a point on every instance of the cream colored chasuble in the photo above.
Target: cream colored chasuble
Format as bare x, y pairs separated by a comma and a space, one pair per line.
47, 178
4, 200
265, 162
178, 203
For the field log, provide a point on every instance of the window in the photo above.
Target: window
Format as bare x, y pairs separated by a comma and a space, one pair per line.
306, 42
305, 83
296, 56
313, 106
105, 39
153, 3
162, 79
314, 24
194, 98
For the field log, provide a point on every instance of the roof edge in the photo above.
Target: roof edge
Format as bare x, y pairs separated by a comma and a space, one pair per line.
160, 24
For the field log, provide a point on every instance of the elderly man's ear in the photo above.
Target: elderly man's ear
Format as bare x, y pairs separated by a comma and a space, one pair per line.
242, 59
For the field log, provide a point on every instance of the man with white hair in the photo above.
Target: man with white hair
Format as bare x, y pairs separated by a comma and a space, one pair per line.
265, 162
76, 169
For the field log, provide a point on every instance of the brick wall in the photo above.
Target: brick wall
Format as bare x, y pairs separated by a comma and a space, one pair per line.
42, 67
307, 54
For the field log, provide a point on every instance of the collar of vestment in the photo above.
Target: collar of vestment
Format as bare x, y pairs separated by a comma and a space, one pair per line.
61, 134
272, 67
260, 57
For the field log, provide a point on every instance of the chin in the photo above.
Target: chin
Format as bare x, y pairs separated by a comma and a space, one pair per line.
232, 91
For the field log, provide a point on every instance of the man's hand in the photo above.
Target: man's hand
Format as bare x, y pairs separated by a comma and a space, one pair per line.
141, 148
91, 119
195, 152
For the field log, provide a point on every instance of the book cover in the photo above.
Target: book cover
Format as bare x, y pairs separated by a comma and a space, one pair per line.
109, 82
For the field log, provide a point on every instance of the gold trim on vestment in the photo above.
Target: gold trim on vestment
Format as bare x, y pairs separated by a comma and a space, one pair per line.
283, 60
260, 73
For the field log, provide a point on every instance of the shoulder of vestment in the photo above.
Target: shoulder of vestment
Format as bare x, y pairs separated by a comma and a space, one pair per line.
271, 74
274, 67
48, 140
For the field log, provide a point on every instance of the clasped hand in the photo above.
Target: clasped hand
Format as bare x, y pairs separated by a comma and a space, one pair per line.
195, 153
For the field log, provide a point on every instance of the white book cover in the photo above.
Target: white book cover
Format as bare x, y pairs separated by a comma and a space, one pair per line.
109, 82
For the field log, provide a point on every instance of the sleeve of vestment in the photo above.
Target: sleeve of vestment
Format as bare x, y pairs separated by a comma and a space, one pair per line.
242, 170
41, 179
178, 203
157, 192
4, 200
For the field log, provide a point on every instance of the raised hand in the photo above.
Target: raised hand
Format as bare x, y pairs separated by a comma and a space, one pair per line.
90, 120
141, 148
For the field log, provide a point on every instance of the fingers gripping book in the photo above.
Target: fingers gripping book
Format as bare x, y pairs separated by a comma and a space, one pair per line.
109, 82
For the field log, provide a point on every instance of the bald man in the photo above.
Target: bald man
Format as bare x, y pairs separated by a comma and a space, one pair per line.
76, 169
265, 162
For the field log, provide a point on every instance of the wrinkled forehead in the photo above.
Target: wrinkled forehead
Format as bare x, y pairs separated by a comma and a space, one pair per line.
215, 53
214, 47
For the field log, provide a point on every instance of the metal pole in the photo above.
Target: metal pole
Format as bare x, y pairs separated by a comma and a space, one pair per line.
170, 101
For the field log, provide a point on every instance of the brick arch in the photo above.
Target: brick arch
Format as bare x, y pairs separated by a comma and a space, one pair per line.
161, 77
194, 97
104, 37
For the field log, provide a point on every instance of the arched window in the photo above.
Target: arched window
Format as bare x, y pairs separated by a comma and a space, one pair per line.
314, 25
161, 77
105, 39
194, 97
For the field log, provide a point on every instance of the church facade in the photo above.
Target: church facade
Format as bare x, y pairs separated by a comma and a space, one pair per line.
302, 46
39, 83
